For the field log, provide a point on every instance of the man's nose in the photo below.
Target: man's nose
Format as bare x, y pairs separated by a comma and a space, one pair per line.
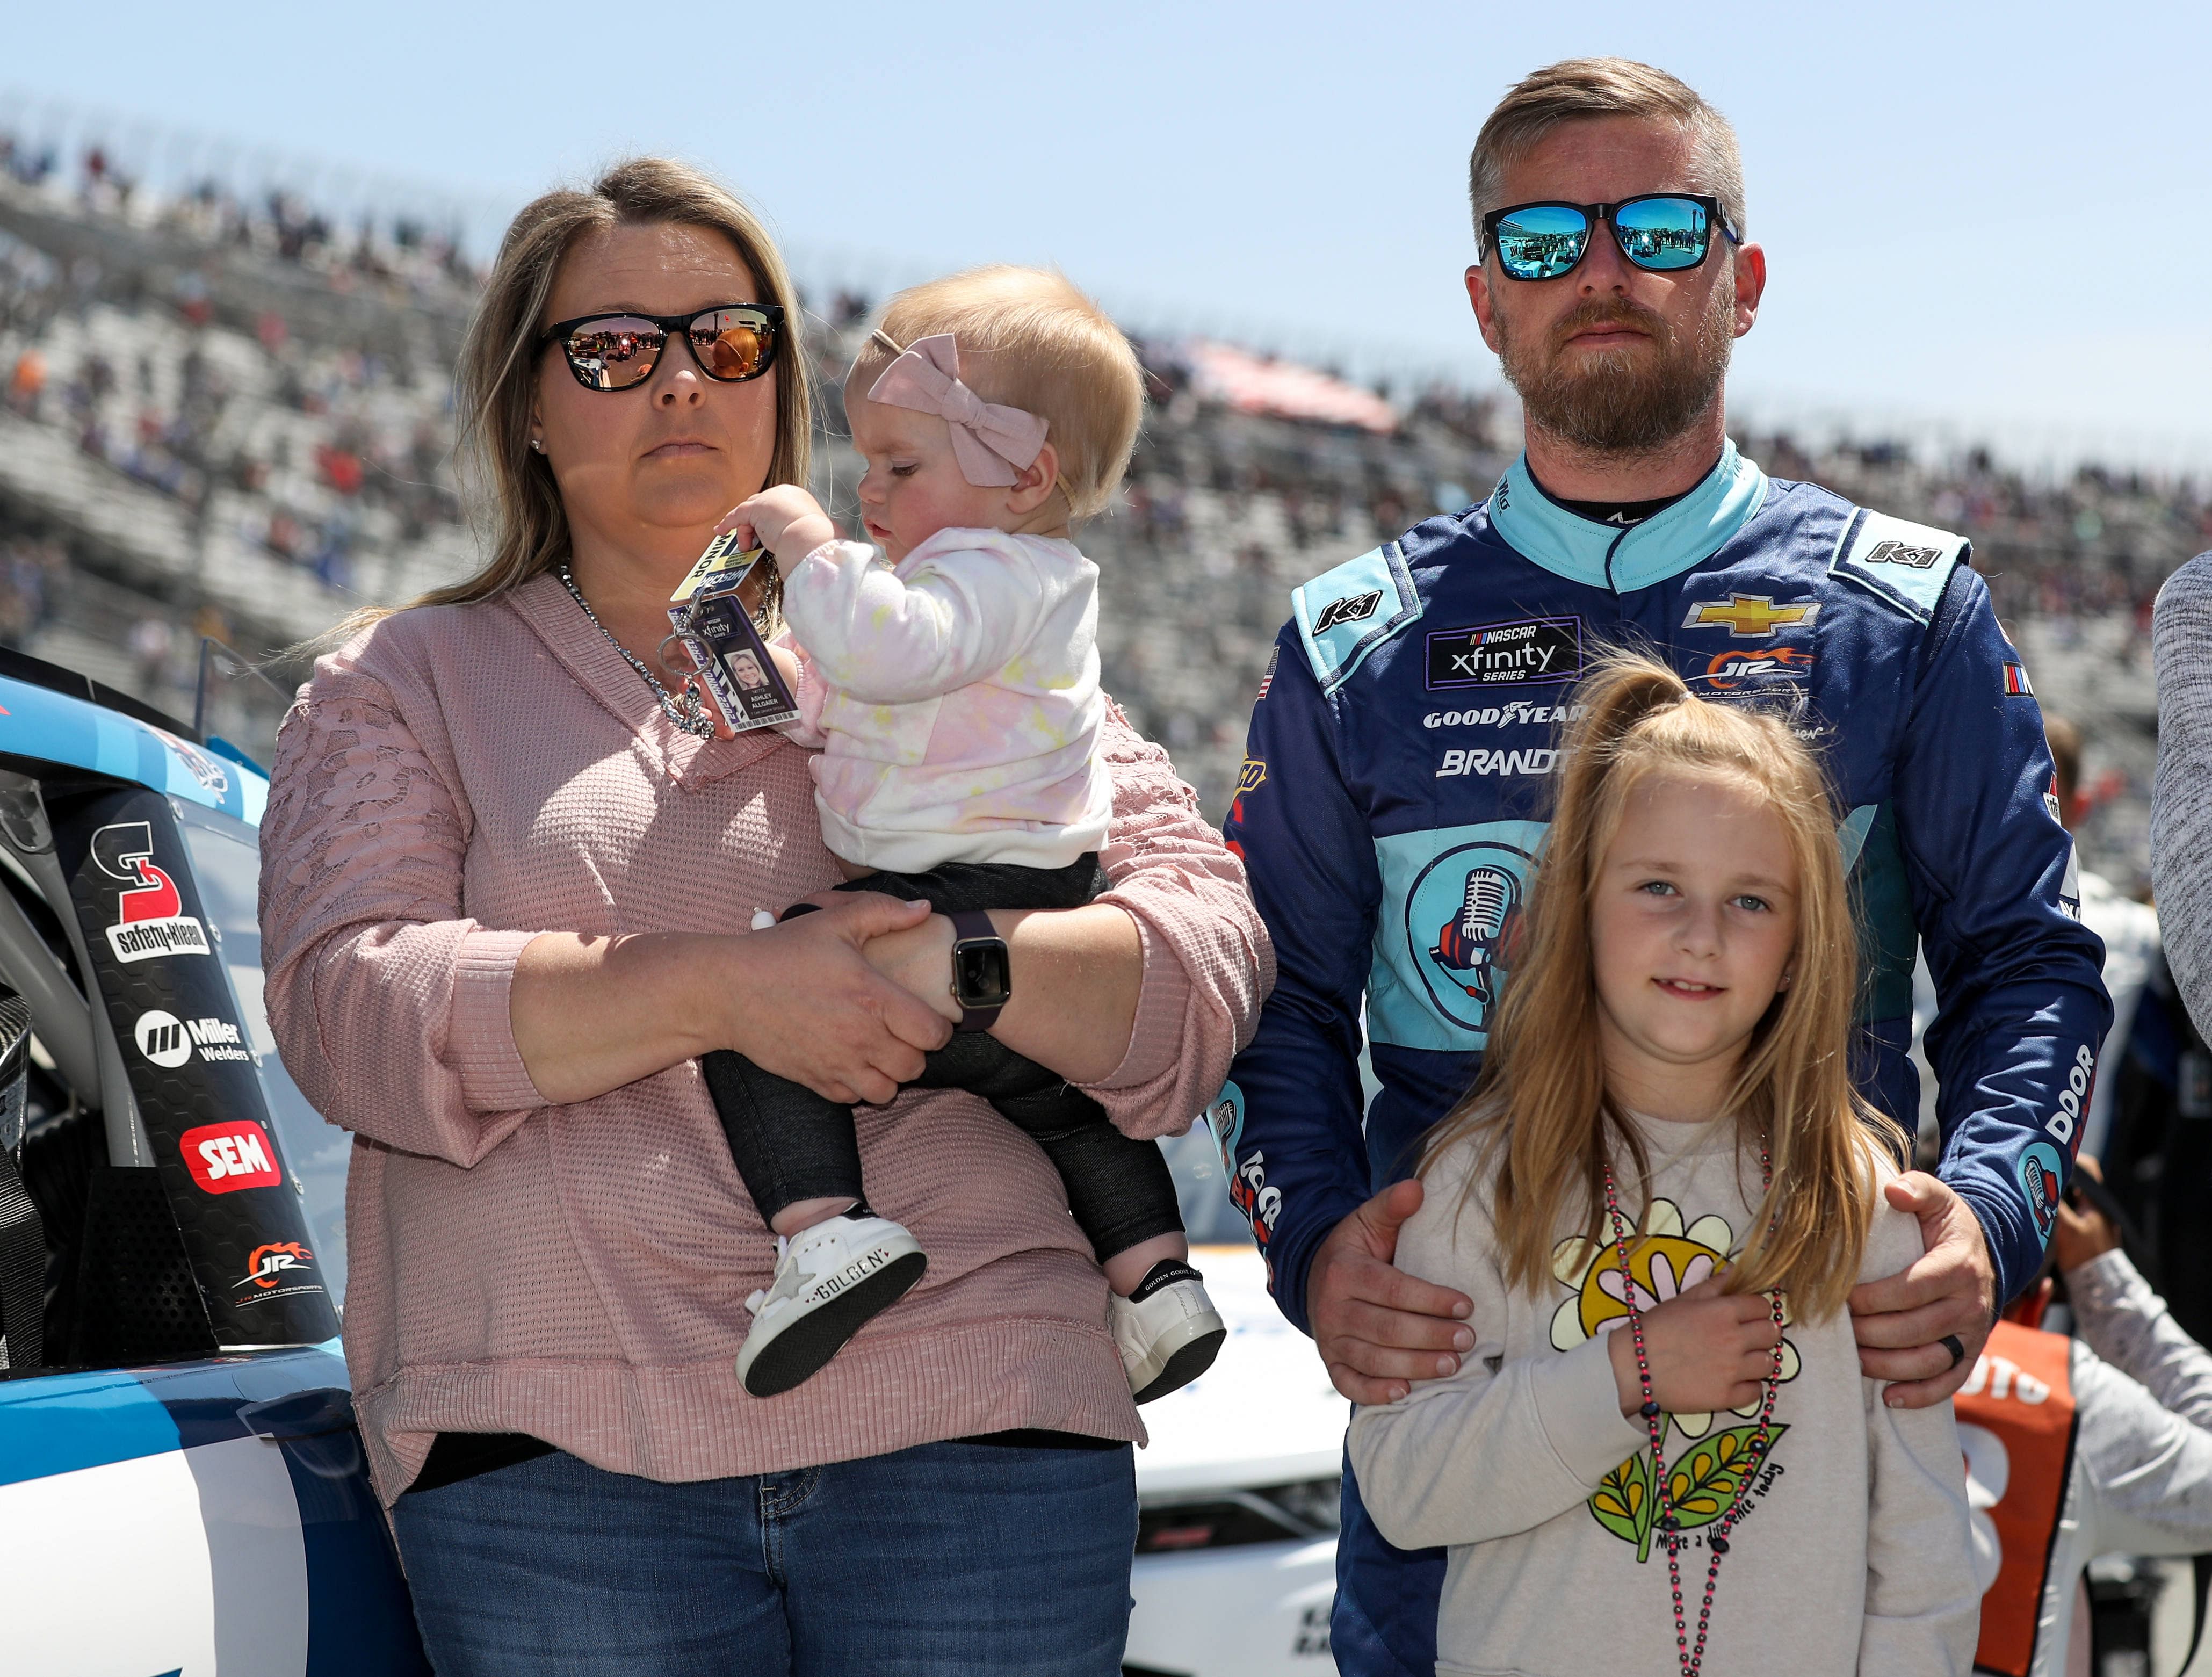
1603, 267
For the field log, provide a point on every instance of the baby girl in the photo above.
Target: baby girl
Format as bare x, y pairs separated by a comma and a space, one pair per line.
950, 676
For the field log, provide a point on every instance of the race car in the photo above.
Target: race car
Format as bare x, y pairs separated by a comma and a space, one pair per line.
182, 1486
1238, 1492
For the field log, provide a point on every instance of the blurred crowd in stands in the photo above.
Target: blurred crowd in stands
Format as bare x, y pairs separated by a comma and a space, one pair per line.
158, 351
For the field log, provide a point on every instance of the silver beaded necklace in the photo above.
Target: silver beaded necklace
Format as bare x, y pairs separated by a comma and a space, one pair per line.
689, 713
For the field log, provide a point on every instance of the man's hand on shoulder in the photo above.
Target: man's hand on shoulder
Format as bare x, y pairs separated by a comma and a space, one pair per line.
1379, 1329
1902, 1320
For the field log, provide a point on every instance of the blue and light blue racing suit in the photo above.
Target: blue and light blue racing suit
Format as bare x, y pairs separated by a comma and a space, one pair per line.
1391, 801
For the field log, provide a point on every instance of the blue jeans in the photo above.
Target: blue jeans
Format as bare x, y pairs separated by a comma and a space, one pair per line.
945, 1558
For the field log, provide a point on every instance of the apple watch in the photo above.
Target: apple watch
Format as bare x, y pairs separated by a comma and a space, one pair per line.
982, 977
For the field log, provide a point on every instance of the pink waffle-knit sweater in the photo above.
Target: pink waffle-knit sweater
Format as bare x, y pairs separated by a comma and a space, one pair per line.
460, 779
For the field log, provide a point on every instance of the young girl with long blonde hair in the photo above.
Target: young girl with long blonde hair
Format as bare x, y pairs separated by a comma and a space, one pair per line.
1660, 1455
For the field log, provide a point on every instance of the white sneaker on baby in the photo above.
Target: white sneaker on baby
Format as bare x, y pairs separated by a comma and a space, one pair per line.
1168, 1331
829, 1279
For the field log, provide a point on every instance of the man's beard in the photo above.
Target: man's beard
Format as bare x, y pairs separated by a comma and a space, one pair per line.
1622, 402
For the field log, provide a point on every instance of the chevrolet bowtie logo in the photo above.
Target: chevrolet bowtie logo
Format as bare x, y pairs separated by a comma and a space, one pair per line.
1749, 616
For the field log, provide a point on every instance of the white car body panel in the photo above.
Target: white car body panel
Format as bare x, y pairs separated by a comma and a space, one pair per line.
1265, 1414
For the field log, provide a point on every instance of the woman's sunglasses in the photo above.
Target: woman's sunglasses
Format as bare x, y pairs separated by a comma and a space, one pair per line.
733, 343
1663, 232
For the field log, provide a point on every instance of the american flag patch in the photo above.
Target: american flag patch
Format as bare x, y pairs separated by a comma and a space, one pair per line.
2015, 682
1268, 679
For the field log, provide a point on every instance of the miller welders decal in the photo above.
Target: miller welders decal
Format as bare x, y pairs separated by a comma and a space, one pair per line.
176, 1020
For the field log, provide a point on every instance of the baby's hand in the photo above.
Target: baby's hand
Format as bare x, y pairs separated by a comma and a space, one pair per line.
783, 519
1708, 1350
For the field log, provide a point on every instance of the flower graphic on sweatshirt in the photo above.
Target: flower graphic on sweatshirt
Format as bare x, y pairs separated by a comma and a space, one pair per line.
1705, 1467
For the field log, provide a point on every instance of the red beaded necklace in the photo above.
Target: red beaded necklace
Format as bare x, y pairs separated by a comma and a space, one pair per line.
1761, 1442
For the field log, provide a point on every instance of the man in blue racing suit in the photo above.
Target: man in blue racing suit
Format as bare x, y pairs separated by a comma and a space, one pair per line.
1390, 803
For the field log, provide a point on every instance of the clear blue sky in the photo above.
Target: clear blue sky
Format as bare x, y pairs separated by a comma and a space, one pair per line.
1992, 217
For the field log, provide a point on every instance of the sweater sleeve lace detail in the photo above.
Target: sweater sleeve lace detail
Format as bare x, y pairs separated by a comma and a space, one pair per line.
389, 1004
1208, 964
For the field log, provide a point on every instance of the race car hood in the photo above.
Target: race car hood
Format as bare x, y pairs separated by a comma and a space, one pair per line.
38, 721
1263, 1414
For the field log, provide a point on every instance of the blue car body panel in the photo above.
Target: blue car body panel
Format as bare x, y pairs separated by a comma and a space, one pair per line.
337, 1609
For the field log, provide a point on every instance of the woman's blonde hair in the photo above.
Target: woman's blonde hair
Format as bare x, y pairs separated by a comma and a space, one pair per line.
497, 377
1540, 1106
1029, 339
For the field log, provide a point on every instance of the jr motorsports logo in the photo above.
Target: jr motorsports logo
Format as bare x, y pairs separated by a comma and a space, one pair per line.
169, 1041
150, 920
277, 1265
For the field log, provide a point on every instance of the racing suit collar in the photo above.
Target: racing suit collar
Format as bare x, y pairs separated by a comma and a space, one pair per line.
1666, 545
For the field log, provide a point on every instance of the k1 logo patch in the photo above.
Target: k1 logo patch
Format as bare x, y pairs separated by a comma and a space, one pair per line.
1525, 651
1350, 610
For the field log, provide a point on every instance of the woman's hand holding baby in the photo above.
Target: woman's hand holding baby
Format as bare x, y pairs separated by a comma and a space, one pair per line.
1708, 1350
783, 519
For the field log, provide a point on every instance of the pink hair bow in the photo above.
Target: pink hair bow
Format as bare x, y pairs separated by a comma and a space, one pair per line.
992, 443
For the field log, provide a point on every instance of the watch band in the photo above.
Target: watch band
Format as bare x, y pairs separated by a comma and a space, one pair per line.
974, 926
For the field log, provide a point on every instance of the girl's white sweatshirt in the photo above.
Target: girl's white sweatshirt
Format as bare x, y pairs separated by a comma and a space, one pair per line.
1853, 1556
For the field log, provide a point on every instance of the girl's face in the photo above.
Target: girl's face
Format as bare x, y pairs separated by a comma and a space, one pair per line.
1693, 922
913, 488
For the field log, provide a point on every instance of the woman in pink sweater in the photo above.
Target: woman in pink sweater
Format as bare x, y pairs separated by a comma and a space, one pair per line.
507, 880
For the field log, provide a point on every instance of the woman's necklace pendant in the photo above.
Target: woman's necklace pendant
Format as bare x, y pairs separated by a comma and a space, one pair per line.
689, 712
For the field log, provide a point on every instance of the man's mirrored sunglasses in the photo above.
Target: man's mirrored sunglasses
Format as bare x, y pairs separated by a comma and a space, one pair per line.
1663, 232
733, 342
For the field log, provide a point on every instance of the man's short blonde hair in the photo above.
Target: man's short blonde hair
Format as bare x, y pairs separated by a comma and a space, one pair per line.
1029, 339
1580, 89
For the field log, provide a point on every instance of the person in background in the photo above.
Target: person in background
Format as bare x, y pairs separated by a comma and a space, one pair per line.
2081, 1447
2127, 928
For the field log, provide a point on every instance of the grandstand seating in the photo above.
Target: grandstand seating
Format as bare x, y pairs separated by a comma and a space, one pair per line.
233, 420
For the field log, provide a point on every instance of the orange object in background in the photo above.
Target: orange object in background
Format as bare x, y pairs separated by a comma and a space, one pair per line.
2016, 1423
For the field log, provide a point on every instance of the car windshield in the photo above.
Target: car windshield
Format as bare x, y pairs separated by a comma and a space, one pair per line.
227, 863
